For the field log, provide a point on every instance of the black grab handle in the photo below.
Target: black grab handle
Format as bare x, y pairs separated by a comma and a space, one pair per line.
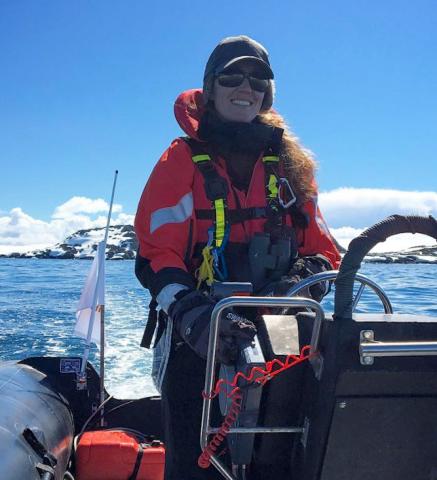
360, 247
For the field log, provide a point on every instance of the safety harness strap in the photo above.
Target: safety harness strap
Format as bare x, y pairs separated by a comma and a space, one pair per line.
216, 189
271, 163
234, 216
281, 199
275, 219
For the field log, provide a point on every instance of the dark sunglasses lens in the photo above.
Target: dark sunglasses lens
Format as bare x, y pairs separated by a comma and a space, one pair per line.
259, 84
236, 79
231, 80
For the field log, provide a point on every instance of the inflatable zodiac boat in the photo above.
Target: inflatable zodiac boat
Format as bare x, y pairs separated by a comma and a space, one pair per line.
345, 396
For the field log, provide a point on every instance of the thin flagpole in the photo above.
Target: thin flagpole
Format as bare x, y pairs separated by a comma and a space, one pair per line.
110, 207
102, 314
94, 307
102, 364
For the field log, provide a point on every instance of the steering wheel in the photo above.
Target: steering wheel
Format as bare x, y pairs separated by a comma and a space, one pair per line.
331, 276
361, 245
345, 302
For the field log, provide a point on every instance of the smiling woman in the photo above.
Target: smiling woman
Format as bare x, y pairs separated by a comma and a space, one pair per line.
235, 201
238, 96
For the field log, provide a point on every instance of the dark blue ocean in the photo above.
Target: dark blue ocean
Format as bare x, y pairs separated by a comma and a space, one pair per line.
38, 300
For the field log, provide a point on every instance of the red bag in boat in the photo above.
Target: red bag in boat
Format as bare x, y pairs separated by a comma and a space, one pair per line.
118, 455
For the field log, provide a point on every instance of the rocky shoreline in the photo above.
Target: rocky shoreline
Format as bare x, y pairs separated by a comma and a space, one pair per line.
122, 245
420, 254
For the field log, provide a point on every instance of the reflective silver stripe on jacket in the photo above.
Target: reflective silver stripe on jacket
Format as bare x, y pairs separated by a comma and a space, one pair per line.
176, 214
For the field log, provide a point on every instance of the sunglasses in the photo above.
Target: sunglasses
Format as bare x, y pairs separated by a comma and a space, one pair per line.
230, 80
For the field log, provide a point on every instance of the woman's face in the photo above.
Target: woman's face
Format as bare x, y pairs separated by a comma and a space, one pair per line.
238, 104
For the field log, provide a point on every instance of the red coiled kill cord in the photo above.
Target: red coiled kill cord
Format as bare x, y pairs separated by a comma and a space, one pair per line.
204, 460
272, 368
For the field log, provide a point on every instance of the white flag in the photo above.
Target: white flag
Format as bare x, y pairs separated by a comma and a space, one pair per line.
92, 298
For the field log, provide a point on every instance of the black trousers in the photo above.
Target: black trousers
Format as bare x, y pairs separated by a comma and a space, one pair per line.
182, 403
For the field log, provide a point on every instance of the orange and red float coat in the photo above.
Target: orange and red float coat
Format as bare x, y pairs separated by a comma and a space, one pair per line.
172, 221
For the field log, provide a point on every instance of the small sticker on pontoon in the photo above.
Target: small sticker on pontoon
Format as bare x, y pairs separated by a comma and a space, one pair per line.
69, 365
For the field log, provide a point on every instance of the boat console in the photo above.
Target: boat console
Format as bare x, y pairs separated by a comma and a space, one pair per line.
364, 405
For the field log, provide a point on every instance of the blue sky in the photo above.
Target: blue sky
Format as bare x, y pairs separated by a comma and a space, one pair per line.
88, 86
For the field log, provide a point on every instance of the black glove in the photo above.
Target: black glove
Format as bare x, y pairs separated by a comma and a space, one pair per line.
281, 287
302, 268
192, 317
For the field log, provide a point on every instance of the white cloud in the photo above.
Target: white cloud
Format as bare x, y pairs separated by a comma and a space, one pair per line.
348, 211
393, 244
19, 232
83, 205
125, 219
17, 228
363, 207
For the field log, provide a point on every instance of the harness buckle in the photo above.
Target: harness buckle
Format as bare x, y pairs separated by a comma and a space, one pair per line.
284, 183
216, 187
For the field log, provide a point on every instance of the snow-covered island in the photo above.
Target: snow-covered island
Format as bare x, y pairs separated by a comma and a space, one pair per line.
419, 254
122, 245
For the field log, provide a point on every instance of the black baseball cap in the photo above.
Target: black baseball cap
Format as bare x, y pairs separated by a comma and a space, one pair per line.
232, 50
